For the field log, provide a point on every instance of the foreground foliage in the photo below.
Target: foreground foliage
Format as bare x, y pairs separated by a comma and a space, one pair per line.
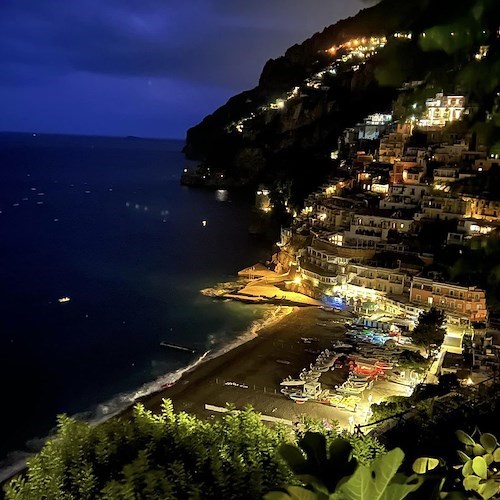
480, 462
170, 455
332, 472
167, 456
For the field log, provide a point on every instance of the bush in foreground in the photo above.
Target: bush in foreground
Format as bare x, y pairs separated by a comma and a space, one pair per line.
168, 456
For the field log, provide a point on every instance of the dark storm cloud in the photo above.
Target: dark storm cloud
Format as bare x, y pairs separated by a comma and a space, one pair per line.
211, 44
193, 39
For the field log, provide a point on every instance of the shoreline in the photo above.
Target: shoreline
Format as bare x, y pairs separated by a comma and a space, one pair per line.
248, 372
248, 335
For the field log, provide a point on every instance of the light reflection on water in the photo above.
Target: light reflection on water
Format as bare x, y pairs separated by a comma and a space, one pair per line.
221, 195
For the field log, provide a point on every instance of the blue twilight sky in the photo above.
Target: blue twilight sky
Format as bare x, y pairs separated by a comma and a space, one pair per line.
150, 68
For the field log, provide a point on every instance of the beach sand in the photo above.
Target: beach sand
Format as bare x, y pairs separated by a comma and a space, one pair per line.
259, 365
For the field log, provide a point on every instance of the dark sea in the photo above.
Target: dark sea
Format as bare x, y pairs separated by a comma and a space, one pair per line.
105, 222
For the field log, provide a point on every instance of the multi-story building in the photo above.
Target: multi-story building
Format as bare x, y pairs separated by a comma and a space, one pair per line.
441, 110
450, 153
333, 213
369, 229
445, 175
458, 301
392, 147
382, 279
484, 164
400, 169
404, 196
482, 208
442, 207
373, 126
413, 175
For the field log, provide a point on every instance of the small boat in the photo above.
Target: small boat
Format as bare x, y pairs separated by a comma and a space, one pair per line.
62, 300
308, 340
319, 368
309, 375
291, 381
383, 365
178, 347
299, 398
350, 390
341, 345
283, 362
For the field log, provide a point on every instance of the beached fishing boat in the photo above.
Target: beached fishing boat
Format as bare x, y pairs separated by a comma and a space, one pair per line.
308, 340
309, 376
299, 397
291, 381
383, 365
337, 344
350, 390
319, 368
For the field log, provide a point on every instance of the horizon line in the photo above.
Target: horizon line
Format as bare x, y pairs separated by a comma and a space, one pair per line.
132, 136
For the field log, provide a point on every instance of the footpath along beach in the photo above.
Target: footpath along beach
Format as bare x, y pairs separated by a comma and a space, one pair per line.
250, 374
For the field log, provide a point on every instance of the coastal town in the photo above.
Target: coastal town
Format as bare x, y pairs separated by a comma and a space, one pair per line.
373, 249
251, 250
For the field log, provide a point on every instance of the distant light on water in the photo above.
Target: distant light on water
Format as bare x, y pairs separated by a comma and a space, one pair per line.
221, 195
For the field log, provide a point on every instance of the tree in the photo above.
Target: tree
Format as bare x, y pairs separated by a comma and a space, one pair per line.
429, 331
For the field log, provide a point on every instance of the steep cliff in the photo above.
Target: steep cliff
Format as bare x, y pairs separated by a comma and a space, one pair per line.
286, 127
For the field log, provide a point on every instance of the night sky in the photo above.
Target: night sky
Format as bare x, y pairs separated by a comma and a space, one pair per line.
150, 68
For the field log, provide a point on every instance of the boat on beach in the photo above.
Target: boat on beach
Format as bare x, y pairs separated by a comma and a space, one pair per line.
289, 381
299, 397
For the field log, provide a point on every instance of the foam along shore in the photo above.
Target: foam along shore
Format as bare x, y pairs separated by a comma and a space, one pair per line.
250, 374
151, 394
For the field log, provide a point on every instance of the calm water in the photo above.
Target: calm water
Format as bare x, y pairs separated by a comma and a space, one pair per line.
106, 223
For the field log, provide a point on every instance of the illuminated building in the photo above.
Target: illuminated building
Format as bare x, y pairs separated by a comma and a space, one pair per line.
441, 110
459, 301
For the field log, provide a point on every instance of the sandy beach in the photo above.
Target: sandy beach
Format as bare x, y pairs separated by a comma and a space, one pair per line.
260, 364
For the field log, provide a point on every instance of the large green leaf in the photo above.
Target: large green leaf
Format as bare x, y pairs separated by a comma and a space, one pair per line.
489, 442
489, 489
314, 444
293, 493
496, 455
300, 493
294, 458
480, 467
424, 464
277, 495
373, 482
467, 469
463, 457
471, 482
464, 438
401, 486
316, 468
478, 450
